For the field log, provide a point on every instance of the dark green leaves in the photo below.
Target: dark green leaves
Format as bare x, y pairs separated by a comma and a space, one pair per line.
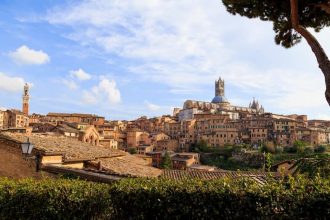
278, 12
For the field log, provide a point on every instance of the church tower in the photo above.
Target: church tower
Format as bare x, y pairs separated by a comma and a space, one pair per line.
219, 97
220, 87
26, 99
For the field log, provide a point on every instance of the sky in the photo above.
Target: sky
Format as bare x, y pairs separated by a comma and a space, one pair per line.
126, 58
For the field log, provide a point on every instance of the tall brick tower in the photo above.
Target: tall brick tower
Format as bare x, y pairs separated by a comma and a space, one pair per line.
220, 87
26, 99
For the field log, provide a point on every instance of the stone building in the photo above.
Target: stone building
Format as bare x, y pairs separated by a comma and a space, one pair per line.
13, 119
90, 135
182, 161
17, 119
3, 119
313, 135
137, 138
89, 119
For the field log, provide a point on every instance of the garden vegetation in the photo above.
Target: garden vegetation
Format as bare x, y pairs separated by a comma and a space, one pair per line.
285, 198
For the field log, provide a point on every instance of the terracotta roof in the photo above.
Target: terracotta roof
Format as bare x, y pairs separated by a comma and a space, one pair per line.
72, 115
74, 149
66, 128
130, 165
209, 175
113, 160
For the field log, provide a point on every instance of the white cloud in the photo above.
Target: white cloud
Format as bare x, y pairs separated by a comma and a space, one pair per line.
80, 74
106, 92
11, 84
25, 55
152, 107
3, 109
70, 84
187, 44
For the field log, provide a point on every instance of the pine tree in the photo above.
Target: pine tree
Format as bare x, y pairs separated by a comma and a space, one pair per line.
290, 19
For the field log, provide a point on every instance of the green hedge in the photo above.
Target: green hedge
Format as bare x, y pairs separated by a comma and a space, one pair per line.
298, 198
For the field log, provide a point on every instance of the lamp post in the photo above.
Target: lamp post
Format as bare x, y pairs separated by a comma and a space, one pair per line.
27, 148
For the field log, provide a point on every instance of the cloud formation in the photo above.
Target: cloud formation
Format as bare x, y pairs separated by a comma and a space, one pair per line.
11, 84
80, 74
24, 55
106, 92
187, 45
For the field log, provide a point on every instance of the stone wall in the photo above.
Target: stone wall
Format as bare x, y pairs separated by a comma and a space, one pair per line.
254, 159
12, 164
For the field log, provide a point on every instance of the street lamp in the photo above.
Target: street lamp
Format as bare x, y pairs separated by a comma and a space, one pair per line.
27, 148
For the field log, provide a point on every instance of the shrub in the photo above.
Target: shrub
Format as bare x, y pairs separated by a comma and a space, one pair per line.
288, 149
320, 149
309, 150
132, 150
267, 148
142, 198
166, 161
299, 146
279, 149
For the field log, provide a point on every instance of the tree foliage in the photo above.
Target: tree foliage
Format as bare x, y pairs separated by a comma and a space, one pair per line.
311, 15
313, 167
166, 161
132, 150
290, 19
299, 146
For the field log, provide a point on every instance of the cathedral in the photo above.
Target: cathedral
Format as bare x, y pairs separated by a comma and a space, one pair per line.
219, 104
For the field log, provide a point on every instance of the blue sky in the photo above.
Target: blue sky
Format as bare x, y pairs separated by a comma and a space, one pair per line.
123, 59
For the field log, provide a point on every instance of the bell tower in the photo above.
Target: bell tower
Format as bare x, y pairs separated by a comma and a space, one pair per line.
219, 87
26, 99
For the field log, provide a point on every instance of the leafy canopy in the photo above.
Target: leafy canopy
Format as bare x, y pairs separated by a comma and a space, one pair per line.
310, 12
166, 162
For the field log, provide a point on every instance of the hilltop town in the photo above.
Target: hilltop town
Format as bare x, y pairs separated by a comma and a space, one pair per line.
145, 143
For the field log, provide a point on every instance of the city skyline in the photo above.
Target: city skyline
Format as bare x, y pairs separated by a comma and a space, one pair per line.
123, 60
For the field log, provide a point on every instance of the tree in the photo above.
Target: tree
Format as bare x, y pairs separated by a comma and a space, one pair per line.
299, 146
202, 146
313, 167
290, 23
166, 162
132, 150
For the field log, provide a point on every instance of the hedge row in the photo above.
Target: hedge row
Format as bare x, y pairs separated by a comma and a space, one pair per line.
298, 198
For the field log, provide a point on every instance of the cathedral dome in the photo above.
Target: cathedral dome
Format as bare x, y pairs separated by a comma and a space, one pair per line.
219, 99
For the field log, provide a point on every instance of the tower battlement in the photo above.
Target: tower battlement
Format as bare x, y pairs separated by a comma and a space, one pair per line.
26, 99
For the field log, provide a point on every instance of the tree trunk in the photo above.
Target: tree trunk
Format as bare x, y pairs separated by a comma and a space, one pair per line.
321, 56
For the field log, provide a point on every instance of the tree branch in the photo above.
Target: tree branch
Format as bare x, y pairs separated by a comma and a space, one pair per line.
321, 56
325, 7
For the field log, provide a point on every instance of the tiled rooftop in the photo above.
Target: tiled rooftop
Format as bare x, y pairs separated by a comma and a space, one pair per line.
73, 148
113, 160
259, 177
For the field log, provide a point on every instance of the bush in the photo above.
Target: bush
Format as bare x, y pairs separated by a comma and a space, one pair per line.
299, 146
298, 198
166, 162
132, 150
279, 149
320, 149
309, 150
201, 146
289, 150
53, 199
268, 148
